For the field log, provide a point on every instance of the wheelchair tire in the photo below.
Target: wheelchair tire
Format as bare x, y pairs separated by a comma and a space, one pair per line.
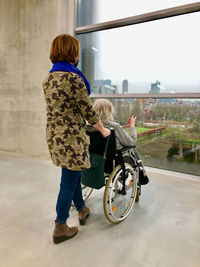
118, 204
86, 191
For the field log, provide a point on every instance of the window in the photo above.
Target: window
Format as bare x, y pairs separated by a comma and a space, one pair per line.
148, 66
161, 56
97, 11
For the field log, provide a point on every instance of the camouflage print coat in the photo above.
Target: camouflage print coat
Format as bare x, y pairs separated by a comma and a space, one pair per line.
68, 106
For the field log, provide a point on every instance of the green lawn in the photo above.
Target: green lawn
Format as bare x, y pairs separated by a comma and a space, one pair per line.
138, 129
141, 129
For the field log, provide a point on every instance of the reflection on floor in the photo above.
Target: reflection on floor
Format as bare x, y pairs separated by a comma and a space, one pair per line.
162, 230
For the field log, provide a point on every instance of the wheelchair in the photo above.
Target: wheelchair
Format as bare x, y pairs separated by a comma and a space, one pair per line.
117, 170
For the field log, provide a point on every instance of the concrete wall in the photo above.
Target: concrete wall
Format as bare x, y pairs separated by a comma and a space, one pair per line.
26, 31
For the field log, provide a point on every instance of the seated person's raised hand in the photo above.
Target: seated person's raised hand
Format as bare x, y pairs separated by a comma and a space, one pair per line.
131, 122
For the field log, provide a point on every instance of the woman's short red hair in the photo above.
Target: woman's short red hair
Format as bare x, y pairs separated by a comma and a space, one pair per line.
65, 47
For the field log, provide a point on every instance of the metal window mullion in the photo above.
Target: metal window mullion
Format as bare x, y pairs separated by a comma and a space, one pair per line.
160, 14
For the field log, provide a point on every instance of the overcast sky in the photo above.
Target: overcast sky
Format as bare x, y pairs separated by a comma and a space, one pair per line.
166, 50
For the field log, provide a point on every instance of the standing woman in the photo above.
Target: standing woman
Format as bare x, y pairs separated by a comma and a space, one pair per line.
68, 107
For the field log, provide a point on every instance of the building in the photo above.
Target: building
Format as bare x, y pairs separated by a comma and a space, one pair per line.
155, 88
125, 87
163, 230
104, 87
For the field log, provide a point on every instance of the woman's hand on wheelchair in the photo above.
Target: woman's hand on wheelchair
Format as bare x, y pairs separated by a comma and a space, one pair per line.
105, 132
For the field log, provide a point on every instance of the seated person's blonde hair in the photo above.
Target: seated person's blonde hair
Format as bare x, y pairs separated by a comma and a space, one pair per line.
104, 109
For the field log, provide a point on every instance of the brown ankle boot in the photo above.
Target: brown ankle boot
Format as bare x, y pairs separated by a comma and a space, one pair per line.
83, 214
63, 232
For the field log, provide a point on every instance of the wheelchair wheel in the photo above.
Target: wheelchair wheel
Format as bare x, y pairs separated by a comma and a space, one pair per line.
86, 191
118, 202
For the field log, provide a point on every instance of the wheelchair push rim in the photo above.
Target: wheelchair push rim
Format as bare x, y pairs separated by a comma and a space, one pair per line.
118, 204
86, 191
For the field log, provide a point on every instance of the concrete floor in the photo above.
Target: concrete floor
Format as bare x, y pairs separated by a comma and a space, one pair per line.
162, 230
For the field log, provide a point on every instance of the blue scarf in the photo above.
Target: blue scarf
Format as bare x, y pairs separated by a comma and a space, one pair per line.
66, 66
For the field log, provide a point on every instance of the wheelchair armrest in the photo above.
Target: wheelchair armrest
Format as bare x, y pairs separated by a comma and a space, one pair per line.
125, 148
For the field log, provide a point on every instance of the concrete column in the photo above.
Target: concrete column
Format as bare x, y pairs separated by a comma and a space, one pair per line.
66, 16
27, 29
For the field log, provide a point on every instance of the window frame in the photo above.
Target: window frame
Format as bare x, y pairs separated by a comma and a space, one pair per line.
146, 17
137, 19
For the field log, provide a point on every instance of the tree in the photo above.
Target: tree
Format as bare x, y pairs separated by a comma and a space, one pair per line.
136, 110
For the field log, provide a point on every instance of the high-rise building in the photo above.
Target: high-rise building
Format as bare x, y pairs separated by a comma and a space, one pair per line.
155, 88
87, 57
125, 87
104, 87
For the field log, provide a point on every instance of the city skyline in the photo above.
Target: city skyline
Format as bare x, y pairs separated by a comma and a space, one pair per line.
165, 50
144, 87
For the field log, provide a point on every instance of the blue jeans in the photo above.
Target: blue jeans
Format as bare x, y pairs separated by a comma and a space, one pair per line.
70, 189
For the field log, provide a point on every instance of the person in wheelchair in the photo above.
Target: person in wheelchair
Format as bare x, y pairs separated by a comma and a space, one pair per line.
105, 110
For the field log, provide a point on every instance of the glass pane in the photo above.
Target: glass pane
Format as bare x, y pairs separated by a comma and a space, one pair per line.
96, 11
155, 57
168, 131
